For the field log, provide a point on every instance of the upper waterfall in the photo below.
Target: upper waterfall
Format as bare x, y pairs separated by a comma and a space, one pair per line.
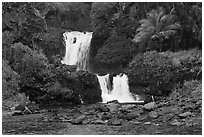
77, 49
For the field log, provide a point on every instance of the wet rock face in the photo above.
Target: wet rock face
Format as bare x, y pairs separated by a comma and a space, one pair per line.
90, 91
74, 86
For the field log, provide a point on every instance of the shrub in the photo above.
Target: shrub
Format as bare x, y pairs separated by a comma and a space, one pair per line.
193, 88
157, 73
190, 90
33, 69
60, 94
190, 62
10, 81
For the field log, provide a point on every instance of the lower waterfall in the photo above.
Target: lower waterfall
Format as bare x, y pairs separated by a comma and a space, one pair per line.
120, 90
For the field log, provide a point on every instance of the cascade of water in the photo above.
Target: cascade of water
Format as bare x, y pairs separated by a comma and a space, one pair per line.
77, 53
120, 89
77, 49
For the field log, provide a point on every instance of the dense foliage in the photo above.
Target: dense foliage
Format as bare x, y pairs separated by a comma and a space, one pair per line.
158, 72
123, 33
10, 81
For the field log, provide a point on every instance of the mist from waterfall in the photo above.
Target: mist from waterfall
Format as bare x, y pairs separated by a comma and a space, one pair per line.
77, 53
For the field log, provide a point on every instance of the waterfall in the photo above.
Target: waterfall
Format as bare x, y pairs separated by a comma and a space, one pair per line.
77, 49
77, 53
120, 90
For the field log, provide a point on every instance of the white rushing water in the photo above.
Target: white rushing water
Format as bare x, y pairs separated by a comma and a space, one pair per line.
77, 49
120, 90
77, 53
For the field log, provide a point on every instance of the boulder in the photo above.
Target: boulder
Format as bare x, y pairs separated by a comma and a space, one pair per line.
153, 114
131, 116
90, 90
142, 117
184, 115
113, 106
115, 122
175, 122
78, 120
103, 108
20, 107
150, 106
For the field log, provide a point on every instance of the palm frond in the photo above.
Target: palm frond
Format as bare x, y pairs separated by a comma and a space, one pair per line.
157, 24
174, 26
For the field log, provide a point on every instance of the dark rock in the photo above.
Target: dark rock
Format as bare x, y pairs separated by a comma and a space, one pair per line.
116, 122
113, 101
90, 91
131, 116
153, 114
146, 98
107, 116
20, 107
150, 106
103, 108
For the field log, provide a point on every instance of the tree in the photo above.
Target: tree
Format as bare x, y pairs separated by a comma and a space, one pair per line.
33, 69
25, 21
158, 26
